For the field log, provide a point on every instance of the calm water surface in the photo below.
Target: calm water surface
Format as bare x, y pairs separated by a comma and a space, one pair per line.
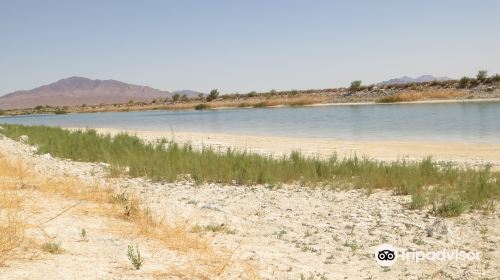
477, 122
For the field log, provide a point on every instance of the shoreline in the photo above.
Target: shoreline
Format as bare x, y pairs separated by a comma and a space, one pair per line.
283, 231
462, 153
432, 101
319, 104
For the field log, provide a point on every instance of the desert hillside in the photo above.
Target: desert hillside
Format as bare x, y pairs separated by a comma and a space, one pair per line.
78, 91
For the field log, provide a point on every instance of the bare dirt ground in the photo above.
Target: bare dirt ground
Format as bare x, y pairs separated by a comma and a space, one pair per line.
283, 232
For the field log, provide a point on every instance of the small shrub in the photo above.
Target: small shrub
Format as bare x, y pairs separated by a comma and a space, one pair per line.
135, 257
52, 247
482, 75
355, 85
219, 228
83, 235
450, 207
213, 95
464, 82
252, 94
417, 201
390, 99
59, 111
261, 104
201, 106
176, 97
184, 98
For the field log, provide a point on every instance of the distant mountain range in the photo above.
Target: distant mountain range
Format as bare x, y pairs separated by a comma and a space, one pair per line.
406, 80
79, 90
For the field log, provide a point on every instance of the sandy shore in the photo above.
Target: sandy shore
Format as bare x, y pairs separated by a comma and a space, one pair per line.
286, 233
470, 154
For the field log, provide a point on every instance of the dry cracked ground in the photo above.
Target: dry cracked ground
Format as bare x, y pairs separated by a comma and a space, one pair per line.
287, 232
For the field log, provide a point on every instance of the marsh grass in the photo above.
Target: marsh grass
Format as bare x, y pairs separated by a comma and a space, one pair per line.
450, 190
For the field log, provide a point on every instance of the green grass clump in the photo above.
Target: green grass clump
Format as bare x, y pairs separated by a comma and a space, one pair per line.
135, 257
390, 99
52, 247
262, 104
449, 189
201, 106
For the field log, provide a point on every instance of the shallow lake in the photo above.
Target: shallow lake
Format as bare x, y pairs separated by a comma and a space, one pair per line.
471, 122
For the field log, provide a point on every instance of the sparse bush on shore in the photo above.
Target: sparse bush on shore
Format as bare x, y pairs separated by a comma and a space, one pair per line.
482, 75
176, 97
213, 95
59, 111
355, 85
163, 160
201, 106
464, 82
262, 104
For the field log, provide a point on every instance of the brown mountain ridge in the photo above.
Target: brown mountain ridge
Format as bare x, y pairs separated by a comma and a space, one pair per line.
79, 90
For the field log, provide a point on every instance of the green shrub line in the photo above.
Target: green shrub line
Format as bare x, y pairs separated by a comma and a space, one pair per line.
448, 189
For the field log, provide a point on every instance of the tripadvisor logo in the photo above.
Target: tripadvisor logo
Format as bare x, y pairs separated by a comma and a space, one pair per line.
386, 255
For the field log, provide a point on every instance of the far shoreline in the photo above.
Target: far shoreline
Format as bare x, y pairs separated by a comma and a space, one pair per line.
361, 103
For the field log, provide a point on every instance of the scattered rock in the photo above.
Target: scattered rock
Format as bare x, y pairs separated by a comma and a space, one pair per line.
24, 139
104, 165
211, 206
46, 156
438, 228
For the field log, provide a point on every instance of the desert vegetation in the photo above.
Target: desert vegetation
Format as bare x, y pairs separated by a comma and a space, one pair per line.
407, 96
355, 85
445, 189
23, 218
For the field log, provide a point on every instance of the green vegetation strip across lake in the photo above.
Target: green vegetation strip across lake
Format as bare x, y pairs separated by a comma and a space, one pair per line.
449, 189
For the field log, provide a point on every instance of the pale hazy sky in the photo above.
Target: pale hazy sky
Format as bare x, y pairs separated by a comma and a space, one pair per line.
240, 46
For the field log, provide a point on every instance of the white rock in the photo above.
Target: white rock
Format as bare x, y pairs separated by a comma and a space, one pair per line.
103, 164
24, 139
46, 156
439, 227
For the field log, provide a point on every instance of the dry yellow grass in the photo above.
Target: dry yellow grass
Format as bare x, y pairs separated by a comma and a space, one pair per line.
206, 261
421, 95
12, 225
